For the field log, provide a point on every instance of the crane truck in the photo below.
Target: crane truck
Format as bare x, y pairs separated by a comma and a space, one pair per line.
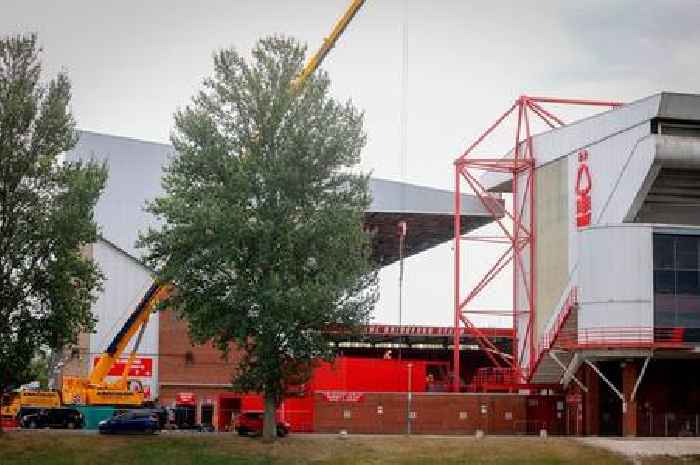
94, 390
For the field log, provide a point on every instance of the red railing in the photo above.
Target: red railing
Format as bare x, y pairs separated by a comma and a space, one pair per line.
629, 337
623, 337
550, 336
495, 376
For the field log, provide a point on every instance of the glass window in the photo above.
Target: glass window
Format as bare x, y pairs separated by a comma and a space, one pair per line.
664, 311
687, 283
676, 281
686, 253
664, 282
663, 252
688, 311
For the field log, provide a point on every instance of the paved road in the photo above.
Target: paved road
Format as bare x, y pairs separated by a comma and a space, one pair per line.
644, 447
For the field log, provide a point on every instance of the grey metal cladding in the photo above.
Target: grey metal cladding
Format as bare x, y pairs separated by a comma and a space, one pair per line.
679, 106
135, 170
393, 196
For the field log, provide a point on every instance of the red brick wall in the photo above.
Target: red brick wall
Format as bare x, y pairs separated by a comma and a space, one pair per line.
168, 393
206, 365
591, 406
434, 414
207, 376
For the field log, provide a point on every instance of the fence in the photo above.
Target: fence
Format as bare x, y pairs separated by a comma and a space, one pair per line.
669, 424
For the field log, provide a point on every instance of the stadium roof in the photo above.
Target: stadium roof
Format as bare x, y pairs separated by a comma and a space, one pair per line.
135, 169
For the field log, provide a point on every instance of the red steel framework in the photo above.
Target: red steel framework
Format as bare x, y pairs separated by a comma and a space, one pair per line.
518, 227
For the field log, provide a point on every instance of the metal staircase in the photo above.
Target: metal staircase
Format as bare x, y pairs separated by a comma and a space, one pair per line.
554, 361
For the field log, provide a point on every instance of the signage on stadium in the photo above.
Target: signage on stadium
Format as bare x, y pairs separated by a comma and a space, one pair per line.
342, 396
410, 330
583, 190
186, 398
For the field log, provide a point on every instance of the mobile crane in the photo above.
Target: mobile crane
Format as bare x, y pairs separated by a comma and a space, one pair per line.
94, 390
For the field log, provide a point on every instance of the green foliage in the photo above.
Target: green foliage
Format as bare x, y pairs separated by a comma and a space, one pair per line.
46, 215
263, 216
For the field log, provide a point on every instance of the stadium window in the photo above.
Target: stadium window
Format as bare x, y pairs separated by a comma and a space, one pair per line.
677, 282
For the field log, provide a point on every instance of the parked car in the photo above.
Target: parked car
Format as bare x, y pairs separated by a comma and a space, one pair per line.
132, 421
24, 411
251, 424
68, 418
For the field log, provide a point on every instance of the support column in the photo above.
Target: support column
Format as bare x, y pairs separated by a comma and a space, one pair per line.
591, 405
630, 371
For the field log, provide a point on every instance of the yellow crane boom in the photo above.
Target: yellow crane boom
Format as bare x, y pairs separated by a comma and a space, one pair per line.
94, 390
317, 58
136, 321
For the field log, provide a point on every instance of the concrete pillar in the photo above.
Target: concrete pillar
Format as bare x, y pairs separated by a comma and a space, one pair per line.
591, 404
630, 372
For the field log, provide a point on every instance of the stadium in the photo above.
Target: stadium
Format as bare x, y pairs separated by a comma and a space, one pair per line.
602, 238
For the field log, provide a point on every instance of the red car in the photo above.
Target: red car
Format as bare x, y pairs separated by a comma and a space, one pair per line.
251, 424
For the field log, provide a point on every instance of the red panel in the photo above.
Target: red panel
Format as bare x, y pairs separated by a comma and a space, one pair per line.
369, 375
299, 412
252, 402
141, 367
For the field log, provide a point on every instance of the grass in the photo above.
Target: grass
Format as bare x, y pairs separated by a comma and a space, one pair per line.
54, 448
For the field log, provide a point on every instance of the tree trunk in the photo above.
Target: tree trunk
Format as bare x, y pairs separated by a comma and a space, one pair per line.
270, 419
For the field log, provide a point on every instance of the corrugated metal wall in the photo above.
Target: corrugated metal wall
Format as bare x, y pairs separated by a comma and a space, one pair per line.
126, 281
615, 277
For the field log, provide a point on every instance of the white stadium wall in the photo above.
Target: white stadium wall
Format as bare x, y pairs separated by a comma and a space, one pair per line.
126, 281
615, 281
610, 257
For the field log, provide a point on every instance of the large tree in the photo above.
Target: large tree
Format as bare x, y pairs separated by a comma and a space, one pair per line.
47, 286
262, 218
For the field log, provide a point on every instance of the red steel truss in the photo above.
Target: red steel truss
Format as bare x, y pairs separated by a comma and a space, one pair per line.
518, 232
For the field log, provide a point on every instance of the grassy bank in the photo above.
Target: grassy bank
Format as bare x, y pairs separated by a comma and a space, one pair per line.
63, 449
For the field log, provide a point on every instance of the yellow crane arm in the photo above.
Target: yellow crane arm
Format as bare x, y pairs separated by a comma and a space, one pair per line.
132, 355
328, 43
137, 319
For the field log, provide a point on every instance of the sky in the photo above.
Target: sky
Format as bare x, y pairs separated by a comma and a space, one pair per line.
133, 63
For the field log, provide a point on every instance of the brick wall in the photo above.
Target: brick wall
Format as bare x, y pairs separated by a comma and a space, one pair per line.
185, 367
180, 361
433, 414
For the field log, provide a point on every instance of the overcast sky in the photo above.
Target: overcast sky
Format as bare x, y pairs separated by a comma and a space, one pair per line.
133, 63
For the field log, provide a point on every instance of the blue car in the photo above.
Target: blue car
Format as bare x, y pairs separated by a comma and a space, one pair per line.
133, 421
